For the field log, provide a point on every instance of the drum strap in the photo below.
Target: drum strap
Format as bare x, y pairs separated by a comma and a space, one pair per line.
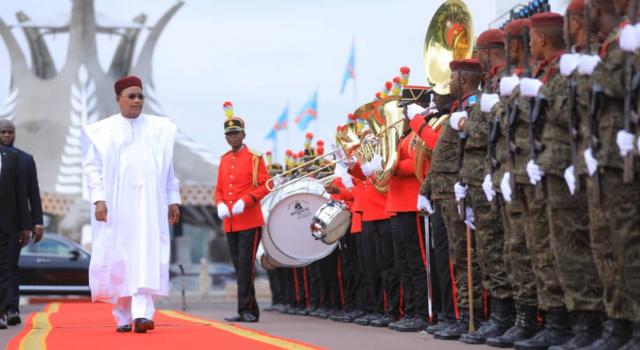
254, 176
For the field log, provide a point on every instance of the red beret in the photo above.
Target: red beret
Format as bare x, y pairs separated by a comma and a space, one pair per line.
127, 82
491, 37
576, 7
468, 65
517, 27
547, 20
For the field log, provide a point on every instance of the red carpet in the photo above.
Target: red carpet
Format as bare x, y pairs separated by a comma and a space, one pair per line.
91, 327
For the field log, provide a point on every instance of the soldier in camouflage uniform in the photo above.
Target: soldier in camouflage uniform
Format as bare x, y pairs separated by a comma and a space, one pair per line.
516, 252
489, 233
617, 202
444, 172
566, 211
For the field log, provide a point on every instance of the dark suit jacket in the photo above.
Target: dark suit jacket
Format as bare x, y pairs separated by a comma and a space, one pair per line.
28, 168
14, 211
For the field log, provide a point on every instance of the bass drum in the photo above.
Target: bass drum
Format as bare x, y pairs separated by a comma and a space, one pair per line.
288, 213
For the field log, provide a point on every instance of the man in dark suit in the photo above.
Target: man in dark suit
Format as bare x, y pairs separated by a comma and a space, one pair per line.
29, 176
14, 216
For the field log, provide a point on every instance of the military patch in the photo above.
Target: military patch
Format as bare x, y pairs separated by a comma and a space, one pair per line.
473, 100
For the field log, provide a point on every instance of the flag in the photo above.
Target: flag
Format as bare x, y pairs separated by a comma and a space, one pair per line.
308, 112
350, 70
283, 120
271, 135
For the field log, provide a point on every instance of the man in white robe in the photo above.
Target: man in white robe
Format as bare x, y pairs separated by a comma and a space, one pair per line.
128, 167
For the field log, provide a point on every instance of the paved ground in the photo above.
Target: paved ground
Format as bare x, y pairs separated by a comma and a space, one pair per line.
319, 332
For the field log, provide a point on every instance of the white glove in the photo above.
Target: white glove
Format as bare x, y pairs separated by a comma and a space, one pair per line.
591, 161
507, 84
628, 40
366, 169
469, 219
223, 211
588, 63
505, 186
568, 63
460, 191
347, 181
638, 144
534, 172
637, 30
348, 162
376, 163
456, 117
529, 87
487, 101
414, 109
487, 187
238, 208
624, 139
570, 178
340, 169
424, 204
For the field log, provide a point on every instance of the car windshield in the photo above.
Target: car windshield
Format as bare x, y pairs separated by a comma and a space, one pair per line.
49, 246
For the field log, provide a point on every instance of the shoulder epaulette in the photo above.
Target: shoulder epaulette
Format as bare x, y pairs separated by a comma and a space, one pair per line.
255, 153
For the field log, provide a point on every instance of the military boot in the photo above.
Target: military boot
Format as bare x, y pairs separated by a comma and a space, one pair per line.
615, 334
634, 342
501, 318
587, 328
556, 331
457, 329
523, 328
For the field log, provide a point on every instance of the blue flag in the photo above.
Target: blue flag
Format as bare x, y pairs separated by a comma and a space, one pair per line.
350, 70
308, 112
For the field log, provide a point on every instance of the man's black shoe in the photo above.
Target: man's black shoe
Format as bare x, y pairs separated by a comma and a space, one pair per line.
523, 328
415, 324
3, 322
272, 307
382, 321
281, 308
142, 325
455, 330
124, 328
442, 324
13, 318
245, 317
365, 320
501, 318
587, 328
303, 312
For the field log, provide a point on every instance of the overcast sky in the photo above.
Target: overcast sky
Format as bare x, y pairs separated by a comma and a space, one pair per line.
263, 55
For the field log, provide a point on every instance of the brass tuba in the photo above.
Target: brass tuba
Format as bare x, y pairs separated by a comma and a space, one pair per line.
449, 37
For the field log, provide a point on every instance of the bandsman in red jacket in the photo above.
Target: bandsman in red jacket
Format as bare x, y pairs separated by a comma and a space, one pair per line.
241, 185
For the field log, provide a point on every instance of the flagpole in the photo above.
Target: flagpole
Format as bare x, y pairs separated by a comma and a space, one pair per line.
355, 77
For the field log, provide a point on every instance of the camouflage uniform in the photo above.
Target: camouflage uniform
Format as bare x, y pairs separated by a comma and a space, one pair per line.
620, 203
443, 174
536, 222
488, 222
516, 252
567, 214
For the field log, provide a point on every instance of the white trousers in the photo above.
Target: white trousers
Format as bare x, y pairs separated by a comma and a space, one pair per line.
127, 309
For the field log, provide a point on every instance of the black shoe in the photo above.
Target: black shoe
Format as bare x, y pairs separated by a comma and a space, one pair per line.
382, 321
355, 314
13, 318
365, 320
235, 318
249, 317
142, 325
556, 331
455, 330
340, 317
501, 318
442, 323
415, 324
616, 333
400, 322
523, 328
291, 309
124, 328
326, 312
587, 328
281, 308
634, 342
303, 312
3, 322
314, 311
273, 307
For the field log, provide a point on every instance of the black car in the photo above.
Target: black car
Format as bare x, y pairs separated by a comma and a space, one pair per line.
55, 265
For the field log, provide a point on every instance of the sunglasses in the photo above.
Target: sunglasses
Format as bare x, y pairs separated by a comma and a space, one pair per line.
134, 96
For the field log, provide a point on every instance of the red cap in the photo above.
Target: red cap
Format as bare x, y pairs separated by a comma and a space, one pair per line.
308, 136
576, 7
351, 116
320, 143
547, 20
268, 153
517, 27
468, 65
127, 82
388, 85
405, 70
491, 37
289, 152
300, 154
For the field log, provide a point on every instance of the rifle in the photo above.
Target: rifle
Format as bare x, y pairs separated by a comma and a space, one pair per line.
630, 117
491, 134
573, 114
594, 102
534, 112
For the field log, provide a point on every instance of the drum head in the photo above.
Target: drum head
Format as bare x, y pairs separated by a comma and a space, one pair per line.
289, 227
338, 227
275, 255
